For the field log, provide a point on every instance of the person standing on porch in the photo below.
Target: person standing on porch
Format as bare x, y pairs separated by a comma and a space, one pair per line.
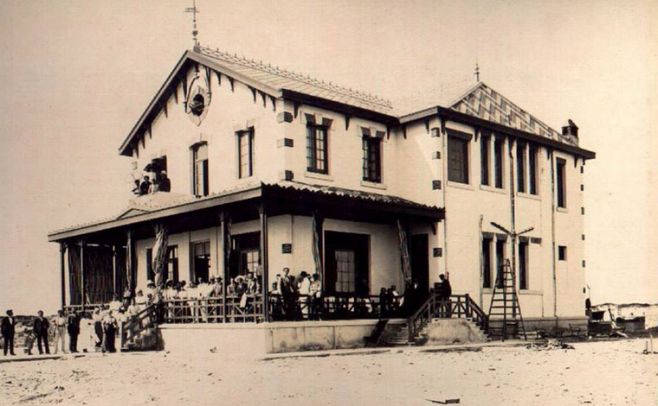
445, 291
304, 287
60, 331
316, 297
73, 328
8, 331
41, 326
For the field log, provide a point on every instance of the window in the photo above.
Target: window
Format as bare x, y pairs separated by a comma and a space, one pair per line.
245, 254
457, 159
486, 262
520, 167
316, 149
345, 271
500, 262
523, 265
485, 140
498, 162
246, 153
249, 259
562, 253
561, 184
532, 174
372, 159
171, 270
200, 169
200, 261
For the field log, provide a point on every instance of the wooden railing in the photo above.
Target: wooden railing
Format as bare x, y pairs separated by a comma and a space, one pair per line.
458, 306
132, 328
214, 310
87, 308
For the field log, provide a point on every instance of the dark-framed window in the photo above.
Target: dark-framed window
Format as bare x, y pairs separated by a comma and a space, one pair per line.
520, 167
560, 168
500, 261
372, 159
485, 141
317, 153
562, 253
200, 183
170, 271
200, 261
245, 153
523, 264
532, 169
486, 261
498, 162
458, 159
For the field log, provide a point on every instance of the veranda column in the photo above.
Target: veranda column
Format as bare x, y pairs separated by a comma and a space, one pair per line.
264, 262
62, 263
226, 247
115, 266
82, 273
130, 261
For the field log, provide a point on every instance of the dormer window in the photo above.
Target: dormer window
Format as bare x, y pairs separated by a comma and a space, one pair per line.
246, 153
200, 186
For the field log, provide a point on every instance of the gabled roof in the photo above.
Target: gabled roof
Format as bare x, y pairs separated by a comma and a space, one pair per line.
483, 102
480, 105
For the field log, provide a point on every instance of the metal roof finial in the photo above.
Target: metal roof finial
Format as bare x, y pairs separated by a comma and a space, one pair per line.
477, 71
194, 10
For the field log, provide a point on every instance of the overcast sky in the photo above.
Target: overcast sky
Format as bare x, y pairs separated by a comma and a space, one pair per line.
76, 75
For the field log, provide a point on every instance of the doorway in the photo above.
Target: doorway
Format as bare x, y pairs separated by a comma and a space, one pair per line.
420, 264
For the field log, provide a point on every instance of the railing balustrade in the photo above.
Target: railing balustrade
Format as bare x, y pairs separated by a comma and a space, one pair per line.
458, 306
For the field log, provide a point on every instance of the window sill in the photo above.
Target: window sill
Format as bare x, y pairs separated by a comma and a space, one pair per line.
529, 196
530, 292
320, 176
561, 209
487, 188
458, 185
373, 185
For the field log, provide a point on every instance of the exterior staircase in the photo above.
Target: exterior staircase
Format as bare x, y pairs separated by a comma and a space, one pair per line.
140, 333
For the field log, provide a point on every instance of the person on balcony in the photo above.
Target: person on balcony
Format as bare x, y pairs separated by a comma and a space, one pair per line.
316, 297
164, 184
145, 186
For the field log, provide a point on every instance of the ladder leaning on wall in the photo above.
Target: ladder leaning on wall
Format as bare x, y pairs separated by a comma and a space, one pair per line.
505, 319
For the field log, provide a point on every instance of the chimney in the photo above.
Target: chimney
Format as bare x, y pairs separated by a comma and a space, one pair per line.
570, 128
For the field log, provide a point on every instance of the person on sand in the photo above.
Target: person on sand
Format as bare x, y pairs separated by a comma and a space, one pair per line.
8, 332
41, 326
73, 328
98, 329
60, 331
110, 326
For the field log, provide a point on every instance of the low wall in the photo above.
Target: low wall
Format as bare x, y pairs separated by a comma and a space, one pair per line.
251, 339
454, 331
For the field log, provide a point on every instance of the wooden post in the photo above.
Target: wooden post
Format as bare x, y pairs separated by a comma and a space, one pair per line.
130, 260
264, 261
82, 273
115, 265
62, 263
225, 250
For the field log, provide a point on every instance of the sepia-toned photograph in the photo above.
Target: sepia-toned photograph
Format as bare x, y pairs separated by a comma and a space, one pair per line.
329, 202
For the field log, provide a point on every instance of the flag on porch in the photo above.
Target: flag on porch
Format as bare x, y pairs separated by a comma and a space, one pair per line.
160, 254
404, 252
316, 248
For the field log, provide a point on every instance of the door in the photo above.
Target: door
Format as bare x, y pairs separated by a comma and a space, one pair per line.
420, 265
346, 263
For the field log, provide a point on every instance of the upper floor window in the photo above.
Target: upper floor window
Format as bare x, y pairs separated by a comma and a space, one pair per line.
520, 167
458, 157
246, 153
560, 168
372, 159
200, 170
485, 141
532, 173
316, 148
523, 264
498, 162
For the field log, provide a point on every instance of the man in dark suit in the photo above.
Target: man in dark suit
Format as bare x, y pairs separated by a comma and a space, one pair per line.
8, 330
445, 291
41, 326
73, 328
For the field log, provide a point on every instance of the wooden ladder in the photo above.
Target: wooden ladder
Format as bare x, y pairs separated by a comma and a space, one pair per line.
505, 307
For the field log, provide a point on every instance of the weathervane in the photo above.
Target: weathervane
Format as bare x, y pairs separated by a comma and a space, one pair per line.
194, 10
477, 71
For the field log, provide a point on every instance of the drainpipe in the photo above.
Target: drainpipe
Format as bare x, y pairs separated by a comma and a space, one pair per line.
444, 184
513, 217
481, 260
553, 265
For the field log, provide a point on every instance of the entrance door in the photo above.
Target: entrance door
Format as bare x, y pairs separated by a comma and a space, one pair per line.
346, 263
420, 266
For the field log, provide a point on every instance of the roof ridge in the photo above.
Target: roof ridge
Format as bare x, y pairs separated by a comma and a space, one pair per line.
275, 70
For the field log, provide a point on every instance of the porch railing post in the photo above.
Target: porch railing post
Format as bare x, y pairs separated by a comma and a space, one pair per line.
62, 265
264, 261
226, 246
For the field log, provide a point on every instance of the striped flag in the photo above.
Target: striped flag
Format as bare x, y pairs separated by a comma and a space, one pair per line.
316, 248
404, 252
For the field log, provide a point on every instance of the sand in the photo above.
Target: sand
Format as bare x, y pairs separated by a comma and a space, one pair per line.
597, 373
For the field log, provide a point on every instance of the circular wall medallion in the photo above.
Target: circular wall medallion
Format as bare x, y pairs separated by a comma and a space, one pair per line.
198, 99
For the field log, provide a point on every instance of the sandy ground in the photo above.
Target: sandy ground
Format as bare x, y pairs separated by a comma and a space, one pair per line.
597, 373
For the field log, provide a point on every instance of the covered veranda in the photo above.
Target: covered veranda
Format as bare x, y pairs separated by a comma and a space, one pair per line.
99, 261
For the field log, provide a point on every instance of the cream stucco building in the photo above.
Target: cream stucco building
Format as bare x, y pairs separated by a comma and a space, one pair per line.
271, 169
